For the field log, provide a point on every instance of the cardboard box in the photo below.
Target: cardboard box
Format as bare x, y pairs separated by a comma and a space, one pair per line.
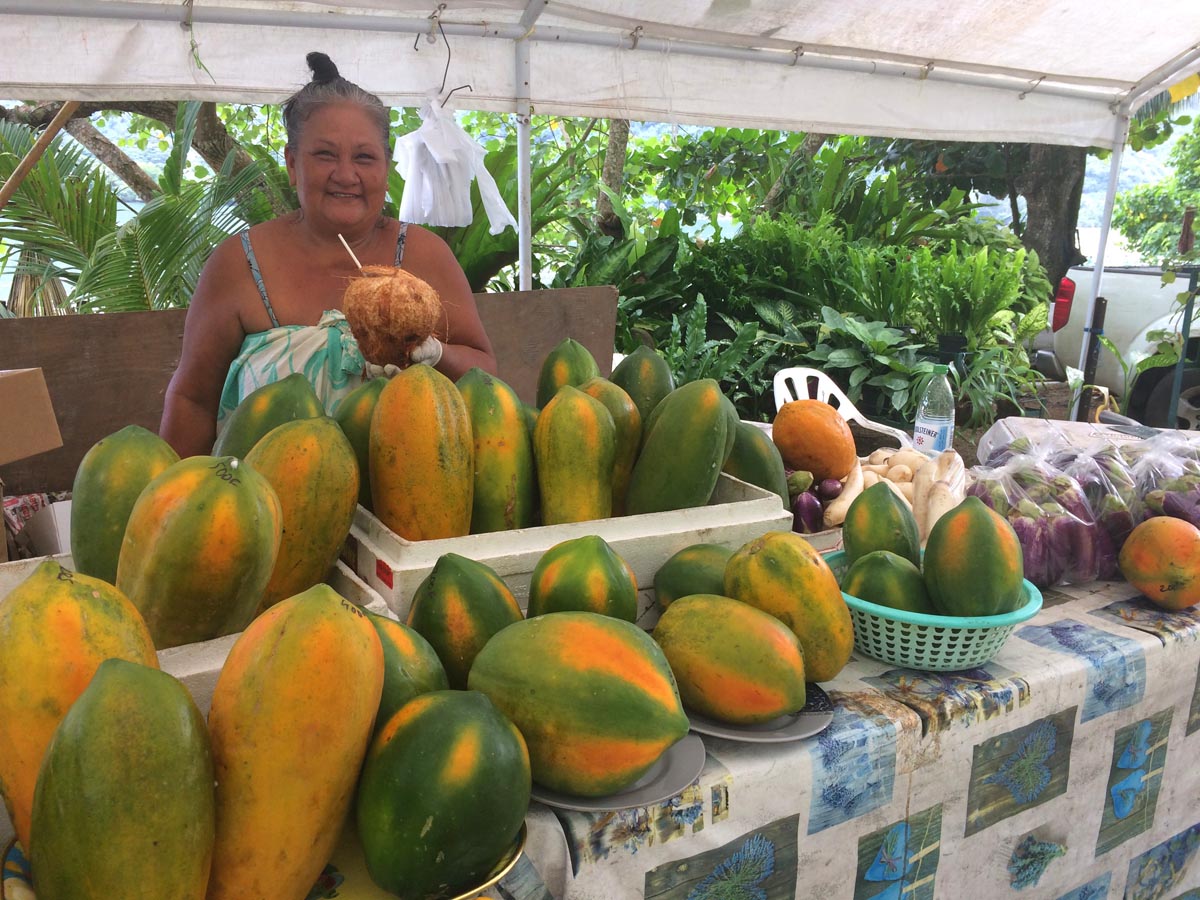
27, 422
49, 531
737, 513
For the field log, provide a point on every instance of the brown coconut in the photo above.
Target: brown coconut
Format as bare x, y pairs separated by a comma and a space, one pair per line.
390, 311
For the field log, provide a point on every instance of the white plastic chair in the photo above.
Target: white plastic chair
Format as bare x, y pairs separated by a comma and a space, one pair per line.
798, 382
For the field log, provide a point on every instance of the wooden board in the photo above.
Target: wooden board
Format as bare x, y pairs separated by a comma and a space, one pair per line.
108, 371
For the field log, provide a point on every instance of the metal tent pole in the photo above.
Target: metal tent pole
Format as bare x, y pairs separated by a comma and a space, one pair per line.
1120, 130
524, 170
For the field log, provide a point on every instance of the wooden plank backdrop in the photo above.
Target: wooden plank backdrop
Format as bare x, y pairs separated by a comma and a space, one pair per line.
108, 371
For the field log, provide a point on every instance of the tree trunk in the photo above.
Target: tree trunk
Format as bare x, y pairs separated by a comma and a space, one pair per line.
613, 177
1053, 187
806, 150
114, 158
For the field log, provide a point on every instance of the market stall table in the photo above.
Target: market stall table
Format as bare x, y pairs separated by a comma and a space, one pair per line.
1061, 770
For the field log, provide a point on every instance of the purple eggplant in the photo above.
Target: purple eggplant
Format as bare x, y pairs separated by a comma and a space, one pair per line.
829, 489
1082, 564
1184, 506
1034, 548
1107, 554
807, 514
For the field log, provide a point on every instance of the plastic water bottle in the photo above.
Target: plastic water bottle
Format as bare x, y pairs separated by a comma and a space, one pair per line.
934, 431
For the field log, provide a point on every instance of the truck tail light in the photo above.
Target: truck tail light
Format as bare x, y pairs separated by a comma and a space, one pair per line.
1062, 304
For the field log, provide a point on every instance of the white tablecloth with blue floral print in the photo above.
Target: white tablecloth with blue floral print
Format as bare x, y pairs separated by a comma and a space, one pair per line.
1065, 769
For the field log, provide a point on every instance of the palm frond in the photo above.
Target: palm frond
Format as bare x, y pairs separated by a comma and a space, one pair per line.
63, 207
154, 261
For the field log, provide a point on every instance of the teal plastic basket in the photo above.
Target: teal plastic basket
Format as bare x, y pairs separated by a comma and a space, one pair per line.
929, 643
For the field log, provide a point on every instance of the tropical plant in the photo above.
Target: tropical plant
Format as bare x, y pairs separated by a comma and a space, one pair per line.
59, 213
966, 291
1150, 216
65, 212
737, 362
881, 368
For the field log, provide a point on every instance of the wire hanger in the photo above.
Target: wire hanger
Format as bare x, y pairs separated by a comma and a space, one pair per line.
437, 17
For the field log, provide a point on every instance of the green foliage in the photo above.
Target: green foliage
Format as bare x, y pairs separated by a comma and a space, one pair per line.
991, 374
642, 268
64, 206
65, 211
881, 368
1150, 216
736, 362
154, 260
969, 293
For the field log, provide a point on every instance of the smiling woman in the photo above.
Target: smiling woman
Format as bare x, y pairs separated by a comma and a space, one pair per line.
269, 300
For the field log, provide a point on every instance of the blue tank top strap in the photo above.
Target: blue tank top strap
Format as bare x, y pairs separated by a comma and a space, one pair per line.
400, 243
258, 281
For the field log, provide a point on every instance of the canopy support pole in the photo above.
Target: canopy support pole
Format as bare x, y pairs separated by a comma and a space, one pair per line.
524, 170
1120, 130
35, 152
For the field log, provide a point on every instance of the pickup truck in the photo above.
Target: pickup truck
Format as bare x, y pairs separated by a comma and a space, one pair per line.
1138, 304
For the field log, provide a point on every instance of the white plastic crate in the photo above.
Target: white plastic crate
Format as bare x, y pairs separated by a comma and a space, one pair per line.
195, 665
737, 513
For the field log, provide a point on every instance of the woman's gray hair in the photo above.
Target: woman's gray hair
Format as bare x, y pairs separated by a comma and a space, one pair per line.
327, 86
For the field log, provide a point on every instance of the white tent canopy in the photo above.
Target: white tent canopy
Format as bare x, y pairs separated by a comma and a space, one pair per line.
1049, 71
1041, 71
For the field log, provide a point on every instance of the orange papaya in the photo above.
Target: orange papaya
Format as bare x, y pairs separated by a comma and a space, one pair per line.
755, 459
686, 444
292, 714
505, 481
457, 607
888, 579
124, 804
698, 569
410, 666
574, 445
592, 695
107, 483
570, 363
1161, 558
199, 549
422, 457
782, 574
311, 466
56, 628
645, 377
353, 415
627, 422
443, 794
973, 563
261, 410
878, 519
583, 574
732, 662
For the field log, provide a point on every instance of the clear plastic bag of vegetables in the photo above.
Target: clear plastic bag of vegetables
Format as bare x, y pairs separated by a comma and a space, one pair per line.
1166, 475
1050, 514
1108, 484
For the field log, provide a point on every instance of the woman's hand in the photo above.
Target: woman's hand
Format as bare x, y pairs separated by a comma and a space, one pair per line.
428, 352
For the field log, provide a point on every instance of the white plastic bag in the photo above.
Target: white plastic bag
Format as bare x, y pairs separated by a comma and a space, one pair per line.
438, 162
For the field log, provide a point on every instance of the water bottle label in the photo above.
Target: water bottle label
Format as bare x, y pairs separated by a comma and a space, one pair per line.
933, 437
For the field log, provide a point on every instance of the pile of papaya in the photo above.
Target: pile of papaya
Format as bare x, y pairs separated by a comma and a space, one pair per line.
440, 459
117, 784
971, 564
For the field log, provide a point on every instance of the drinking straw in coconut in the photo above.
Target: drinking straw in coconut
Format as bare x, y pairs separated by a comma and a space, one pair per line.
357, 264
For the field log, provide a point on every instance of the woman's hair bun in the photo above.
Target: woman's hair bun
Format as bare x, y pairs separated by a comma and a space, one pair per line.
323, 69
